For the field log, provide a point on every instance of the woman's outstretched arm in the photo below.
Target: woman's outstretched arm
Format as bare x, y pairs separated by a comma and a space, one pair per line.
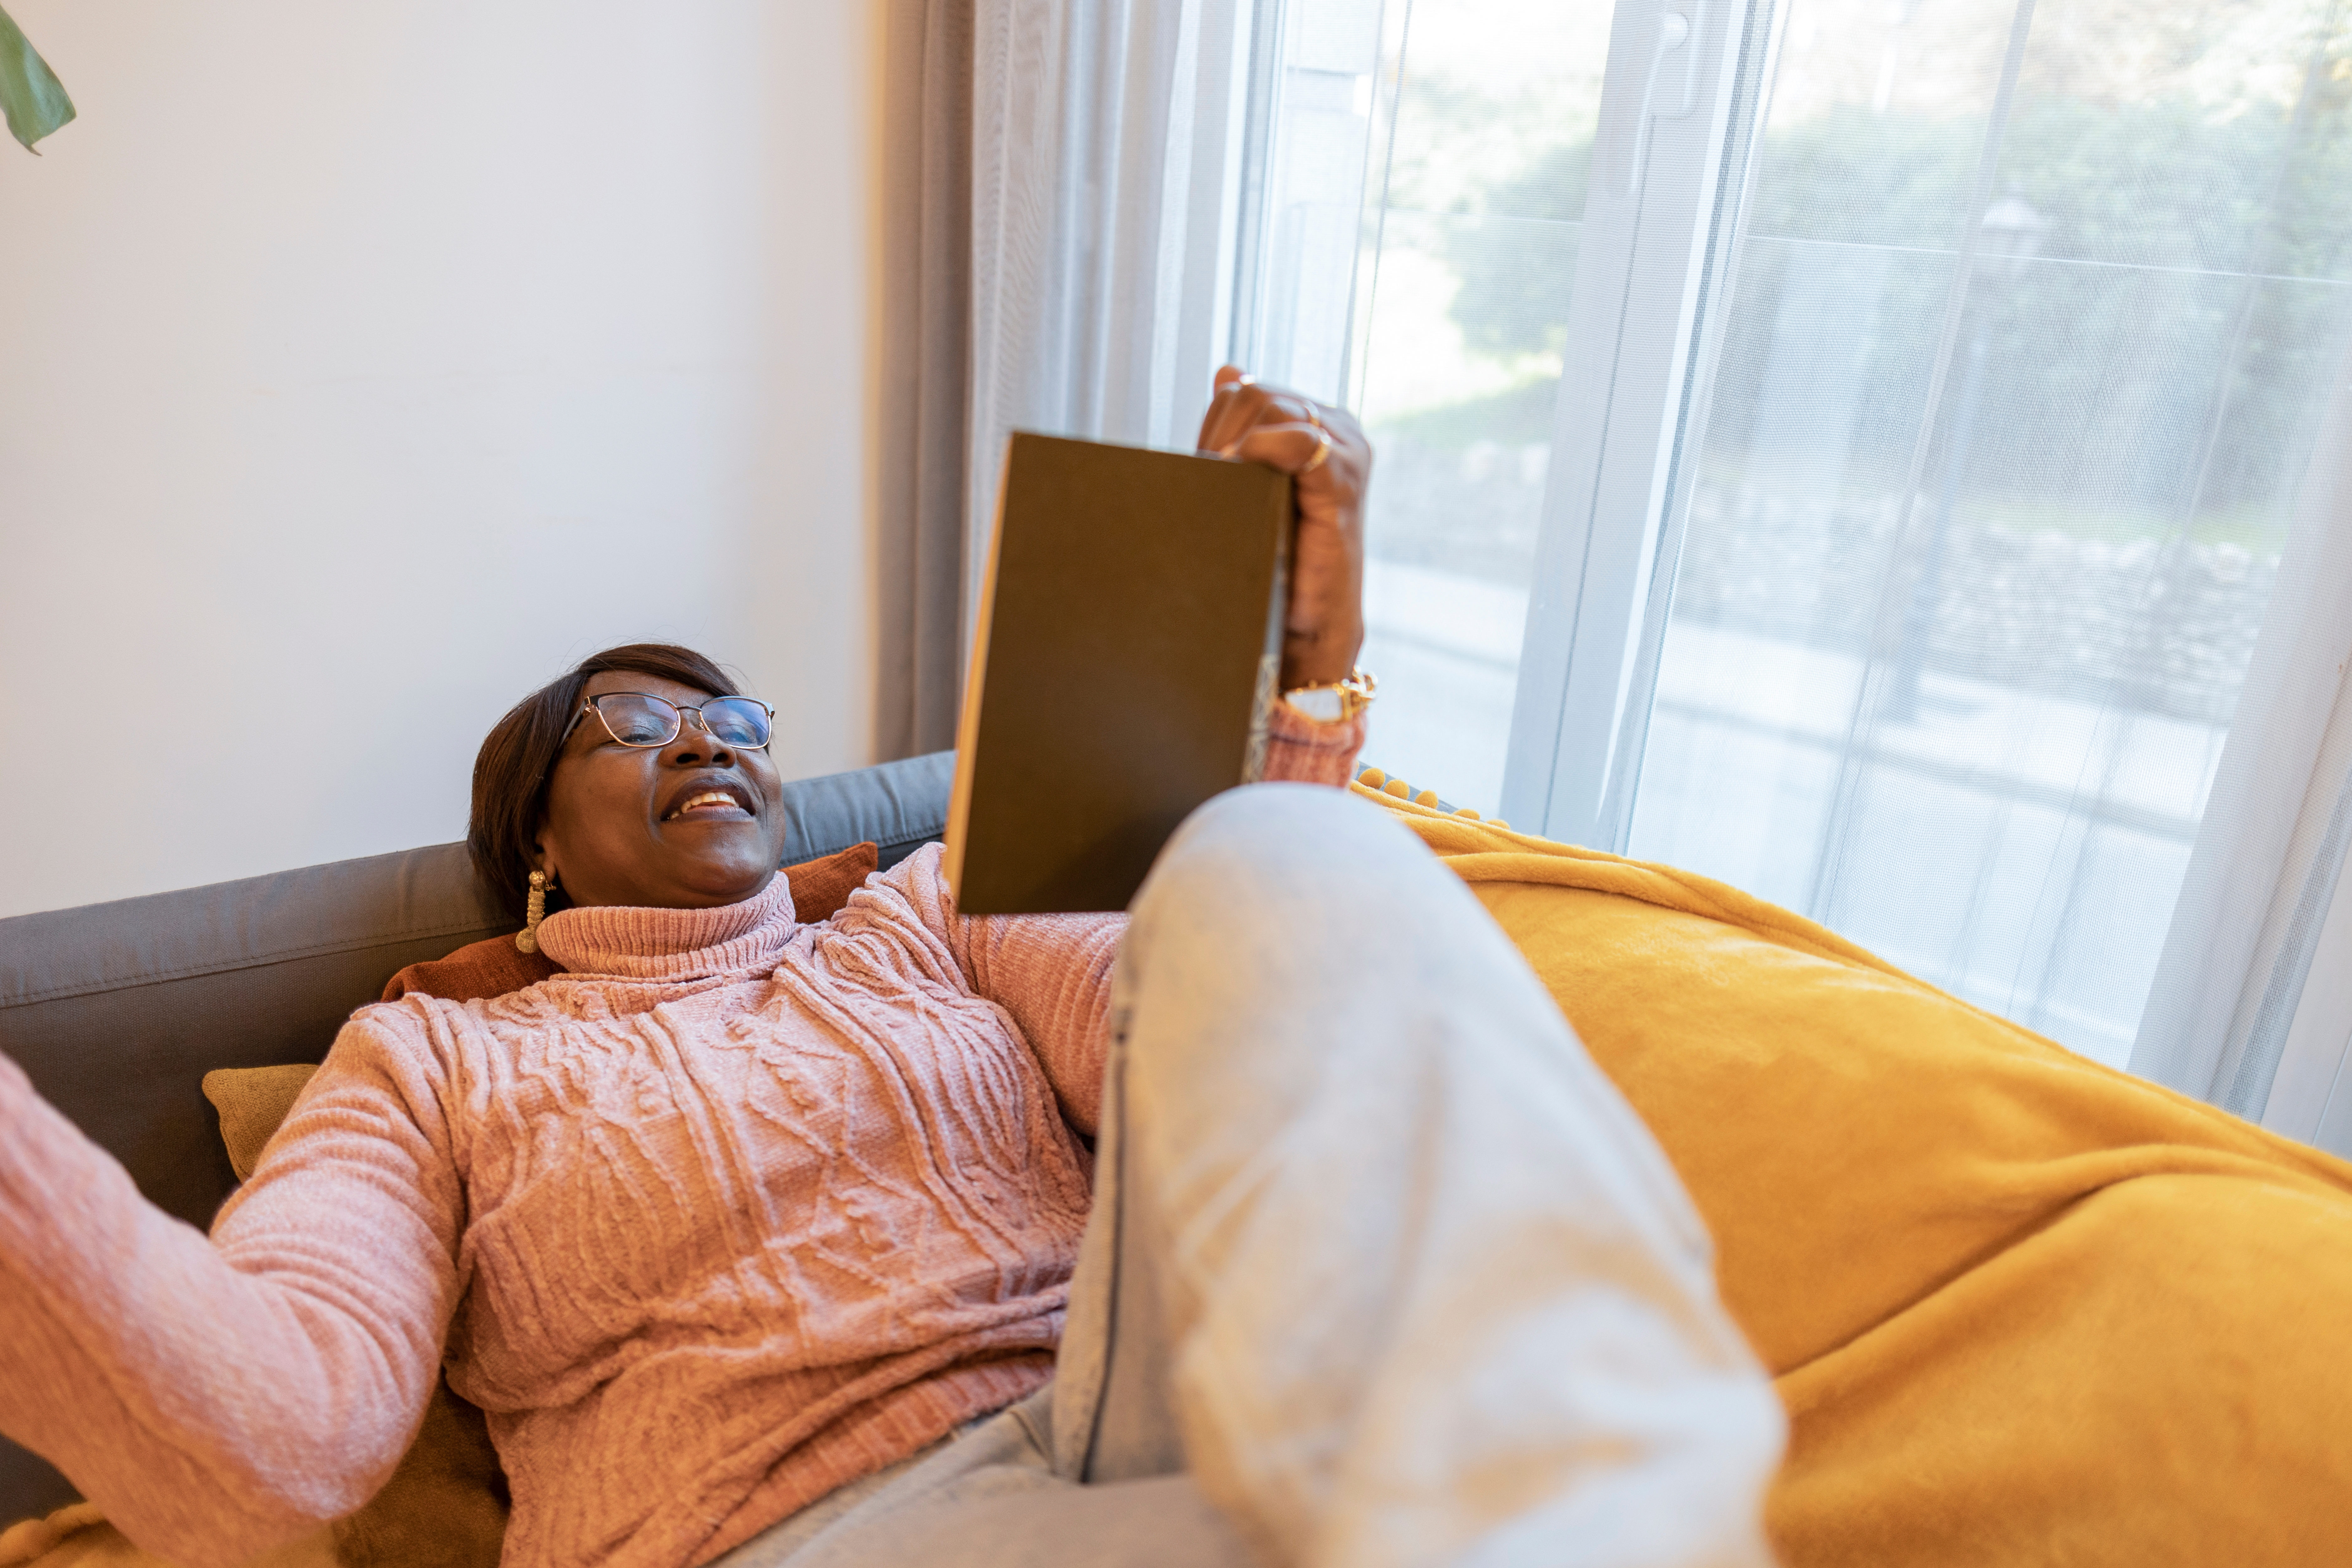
218, 1397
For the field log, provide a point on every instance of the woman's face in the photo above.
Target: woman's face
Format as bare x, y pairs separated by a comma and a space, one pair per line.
630, 825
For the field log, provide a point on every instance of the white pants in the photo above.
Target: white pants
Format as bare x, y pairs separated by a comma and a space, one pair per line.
1382, 1270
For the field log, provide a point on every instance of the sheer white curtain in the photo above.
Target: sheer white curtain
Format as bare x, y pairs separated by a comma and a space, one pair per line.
924, 403
1993, 572
1061, 185
1916, 496
2258, 889
1107, 155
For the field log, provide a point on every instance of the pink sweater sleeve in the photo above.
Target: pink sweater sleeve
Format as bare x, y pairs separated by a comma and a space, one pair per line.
1300, 750
1051, 973
216, 1397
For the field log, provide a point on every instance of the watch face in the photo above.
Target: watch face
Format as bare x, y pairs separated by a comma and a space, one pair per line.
1321, 703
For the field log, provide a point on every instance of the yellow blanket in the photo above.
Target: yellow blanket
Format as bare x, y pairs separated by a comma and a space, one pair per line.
2022, 1309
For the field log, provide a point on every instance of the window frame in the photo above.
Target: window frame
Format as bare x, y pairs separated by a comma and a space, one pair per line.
1657, 256
1654, 258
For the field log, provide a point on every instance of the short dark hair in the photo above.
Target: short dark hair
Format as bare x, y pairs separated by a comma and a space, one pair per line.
512, 770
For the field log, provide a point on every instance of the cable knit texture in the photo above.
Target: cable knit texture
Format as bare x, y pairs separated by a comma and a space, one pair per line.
732, 1212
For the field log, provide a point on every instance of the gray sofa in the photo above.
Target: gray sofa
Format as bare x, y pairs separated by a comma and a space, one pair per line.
116, 1011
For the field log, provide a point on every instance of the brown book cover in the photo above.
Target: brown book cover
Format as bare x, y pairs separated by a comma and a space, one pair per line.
1128, 640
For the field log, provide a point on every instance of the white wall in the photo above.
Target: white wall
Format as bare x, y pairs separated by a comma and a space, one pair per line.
361, 366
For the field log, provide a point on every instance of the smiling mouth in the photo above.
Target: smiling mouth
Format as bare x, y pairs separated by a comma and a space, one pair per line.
711, 804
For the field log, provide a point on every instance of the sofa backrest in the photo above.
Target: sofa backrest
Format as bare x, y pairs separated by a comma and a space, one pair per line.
117, 1011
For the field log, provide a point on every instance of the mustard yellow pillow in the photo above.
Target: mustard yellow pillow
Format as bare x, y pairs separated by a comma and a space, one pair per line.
253, 1103
2021, 1307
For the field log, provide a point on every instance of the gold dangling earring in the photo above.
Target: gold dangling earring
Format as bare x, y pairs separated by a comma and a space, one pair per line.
534, 911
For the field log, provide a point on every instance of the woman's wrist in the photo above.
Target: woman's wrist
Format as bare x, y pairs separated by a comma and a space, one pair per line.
1300, 750
1334, 701
1321, 659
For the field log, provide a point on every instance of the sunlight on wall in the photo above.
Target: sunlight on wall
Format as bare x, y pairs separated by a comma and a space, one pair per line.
359, 368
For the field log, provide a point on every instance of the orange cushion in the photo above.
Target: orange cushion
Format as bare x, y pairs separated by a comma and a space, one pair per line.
489, 968
822, 885
495, 966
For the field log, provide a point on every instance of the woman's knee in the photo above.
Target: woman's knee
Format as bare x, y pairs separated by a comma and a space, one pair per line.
1306, 911
1265, 847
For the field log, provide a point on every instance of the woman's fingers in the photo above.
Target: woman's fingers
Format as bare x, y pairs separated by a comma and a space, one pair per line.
1323, 448
1292, 449
1239, 403
1326, 452
1255, 409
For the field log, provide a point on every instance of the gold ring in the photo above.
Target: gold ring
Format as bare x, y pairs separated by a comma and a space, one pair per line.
1322, 451
1306, 407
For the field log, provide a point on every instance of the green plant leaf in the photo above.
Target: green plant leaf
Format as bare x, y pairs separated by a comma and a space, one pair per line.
30, 93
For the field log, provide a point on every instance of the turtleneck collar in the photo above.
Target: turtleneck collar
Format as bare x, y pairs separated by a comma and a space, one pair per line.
663, 945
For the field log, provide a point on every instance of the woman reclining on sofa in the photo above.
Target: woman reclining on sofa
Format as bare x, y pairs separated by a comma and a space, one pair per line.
776, 1242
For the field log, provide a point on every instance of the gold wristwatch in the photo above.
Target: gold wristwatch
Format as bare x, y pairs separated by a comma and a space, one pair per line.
1338, 701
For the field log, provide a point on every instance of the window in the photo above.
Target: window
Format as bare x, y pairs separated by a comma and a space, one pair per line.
1844, 448
1425, 194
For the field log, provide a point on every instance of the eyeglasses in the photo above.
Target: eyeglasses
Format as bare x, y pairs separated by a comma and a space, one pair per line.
641, 718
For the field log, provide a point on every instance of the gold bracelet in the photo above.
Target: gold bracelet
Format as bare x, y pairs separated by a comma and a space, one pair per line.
1336, 702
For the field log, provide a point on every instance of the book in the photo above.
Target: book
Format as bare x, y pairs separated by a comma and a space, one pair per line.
1128, 640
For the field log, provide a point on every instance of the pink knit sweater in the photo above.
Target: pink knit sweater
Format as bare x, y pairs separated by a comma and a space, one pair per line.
731, 1213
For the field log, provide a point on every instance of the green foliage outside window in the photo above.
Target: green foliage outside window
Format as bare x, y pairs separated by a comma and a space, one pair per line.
2166, 207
